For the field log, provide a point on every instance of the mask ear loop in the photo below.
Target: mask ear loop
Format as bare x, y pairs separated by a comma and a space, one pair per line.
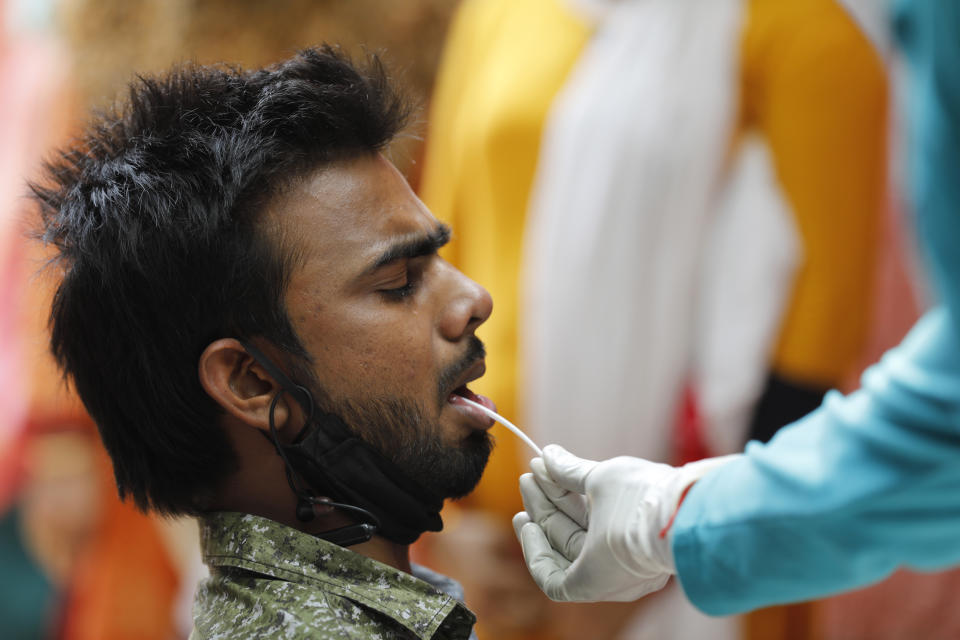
344, 536
302, 494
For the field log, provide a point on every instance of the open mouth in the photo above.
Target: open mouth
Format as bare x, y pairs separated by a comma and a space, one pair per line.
464, 392
476, 417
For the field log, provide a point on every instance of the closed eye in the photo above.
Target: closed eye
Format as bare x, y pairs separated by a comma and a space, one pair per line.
400, 292
412, 279
417, 250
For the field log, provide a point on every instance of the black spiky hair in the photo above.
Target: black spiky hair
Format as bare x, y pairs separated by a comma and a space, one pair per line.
154, 215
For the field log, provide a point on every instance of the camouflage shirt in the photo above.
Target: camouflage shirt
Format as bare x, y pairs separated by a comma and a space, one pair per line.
271, 581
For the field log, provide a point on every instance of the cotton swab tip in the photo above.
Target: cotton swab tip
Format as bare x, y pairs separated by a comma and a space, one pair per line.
509, 425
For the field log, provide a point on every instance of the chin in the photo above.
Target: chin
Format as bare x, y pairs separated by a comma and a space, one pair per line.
474, 452
424, 449
452, 471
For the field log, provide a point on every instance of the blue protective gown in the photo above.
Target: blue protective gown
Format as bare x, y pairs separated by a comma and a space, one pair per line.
869, 482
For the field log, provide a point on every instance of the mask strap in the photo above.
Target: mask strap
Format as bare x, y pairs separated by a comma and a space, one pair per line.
344, 536
299, 393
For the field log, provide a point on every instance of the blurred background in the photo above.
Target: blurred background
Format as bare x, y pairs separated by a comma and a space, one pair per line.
688, 215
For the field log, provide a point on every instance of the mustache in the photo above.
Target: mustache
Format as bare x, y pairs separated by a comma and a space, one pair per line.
475, 351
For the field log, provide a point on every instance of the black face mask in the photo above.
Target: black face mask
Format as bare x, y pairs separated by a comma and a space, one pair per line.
334, 462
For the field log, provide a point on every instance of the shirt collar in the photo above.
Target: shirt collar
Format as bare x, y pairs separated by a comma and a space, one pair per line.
269, 548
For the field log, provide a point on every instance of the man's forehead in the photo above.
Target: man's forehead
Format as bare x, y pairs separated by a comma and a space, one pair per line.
350, 212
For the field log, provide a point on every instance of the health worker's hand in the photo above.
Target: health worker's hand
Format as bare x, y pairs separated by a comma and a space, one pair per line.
597, 531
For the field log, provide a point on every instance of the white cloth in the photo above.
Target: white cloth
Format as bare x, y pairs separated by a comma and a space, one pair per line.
752, 254
620, 224
629, 286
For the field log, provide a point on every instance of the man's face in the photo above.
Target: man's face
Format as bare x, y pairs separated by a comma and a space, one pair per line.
390, 325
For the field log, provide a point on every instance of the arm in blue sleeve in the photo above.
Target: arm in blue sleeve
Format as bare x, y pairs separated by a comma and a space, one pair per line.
928, 34
867, 483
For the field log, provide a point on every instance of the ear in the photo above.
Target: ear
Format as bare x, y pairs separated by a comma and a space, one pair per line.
239, 384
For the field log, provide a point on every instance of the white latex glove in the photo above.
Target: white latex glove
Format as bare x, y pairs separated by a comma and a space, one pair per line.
591, 530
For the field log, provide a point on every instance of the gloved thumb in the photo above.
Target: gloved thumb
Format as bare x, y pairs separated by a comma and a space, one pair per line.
567, 470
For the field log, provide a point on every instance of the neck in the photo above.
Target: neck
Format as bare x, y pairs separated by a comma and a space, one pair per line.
382, 550
282, 510
247, 492
376, 548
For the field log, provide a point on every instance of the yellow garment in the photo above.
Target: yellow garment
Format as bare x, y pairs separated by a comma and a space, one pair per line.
813, 85
504, 62
810, 83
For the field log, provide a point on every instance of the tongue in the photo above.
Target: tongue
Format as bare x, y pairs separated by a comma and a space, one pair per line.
476, 397
485, 401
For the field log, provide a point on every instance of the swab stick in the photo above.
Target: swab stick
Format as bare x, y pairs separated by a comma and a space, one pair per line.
509, 425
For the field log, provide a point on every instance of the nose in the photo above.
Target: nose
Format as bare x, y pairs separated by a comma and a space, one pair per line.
468, 307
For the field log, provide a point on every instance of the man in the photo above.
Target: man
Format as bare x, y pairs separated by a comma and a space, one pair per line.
254, 313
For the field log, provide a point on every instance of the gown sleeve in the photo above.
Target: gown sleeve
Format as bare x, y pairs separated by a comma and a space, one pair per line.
868, 482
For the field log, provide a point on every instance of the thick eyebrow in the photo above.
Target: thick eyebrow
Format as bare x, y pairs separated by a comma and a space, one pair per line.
411, 247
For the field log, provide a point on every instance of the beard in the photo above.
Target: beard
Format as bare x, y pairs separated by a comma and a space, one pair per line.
398, 429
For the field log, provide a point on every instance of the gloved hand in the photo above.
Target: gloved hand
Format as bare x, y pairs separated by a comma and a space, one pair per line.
592, 530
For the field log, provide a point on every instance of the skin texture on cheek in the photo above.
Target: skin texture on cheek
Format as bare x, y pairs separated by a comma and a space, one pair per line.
375, 362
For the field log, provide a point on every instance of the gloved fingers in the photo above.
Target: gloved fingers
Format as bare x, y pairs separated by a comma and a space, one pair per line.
571, 503
547, 567
565, 535
574, 542
519, 519
565, 581
567, 470
535, 501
